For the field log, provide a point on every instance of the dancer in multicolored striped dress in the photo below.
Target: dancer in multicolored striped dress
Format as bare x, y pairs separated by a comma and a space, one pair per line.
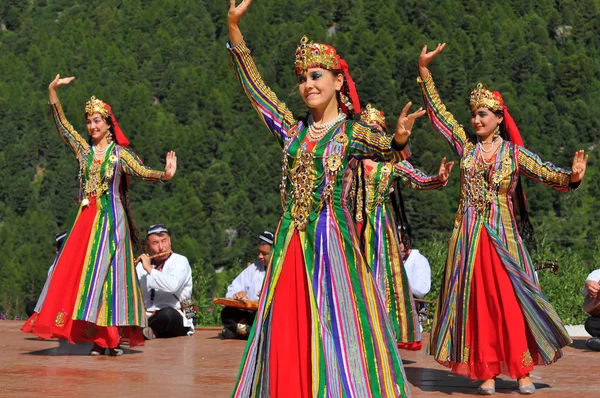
378, 229
491, 317
321, 328
92, 292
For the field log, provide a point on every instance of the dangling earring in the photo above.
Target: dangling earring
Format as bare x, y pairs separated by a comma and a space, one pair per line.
497, 131
346, 101
109, 137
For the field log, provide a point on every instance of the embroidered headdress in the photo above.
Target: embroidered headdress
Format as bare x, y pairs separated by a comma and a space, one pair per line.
95, 105
371, 115
317, 55
481, 97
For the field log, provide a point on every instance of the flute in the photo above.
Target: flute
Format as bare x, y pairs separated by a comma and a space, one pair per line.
138, 259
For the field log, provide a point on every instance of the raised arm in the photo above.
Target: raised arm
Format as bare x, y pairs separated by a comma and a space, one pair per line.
78, 145
131, 164
417, 179
442, 120
548, 174
276, 116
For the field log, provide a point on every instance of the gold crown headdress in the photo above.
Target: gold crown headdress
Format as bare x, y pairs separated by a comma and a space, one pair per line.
309, 54
371, 115
482, 97
95, 105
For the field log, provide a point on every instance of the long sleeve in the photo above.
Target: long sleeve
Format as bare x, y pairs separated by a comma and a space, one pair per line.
274, 113
533, 167
171, 279
370, 143
415, 178
442, 120
238, 284
131, 164
593, 276
78, 145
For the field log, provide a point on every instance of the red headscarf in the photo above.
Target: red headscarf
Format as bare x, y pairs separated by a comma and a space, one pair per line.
511, 127
120, 137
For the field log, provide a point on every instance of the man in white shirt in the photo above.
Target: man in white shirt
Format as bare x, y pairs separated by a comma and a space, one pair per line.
246, 286
418, 272
165, 280
592, 324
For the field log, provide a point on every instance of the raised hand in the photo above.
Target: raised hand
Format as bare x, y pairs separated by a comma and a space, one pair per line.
236, 13
426, 57
406, 123
57, 82
579, 165
445, 169
171, 166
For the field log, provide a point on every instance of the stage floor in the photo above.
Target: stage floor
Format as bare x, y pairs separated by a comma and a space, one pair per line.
206, 366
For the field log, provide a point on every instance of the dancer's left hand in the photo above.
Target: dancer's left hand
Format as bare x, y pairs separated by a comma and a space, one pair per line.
171, 166
445, 169
406, 123
579, 165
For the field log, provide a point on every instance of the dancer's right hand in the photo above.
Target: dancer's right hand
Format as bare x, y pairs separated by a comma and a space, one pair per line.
234, 17
57, 82
236, 13
426, 57
445, 170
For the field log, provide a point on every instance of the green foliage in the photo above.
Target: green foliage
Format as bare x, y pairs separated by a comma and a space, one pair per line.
164, 68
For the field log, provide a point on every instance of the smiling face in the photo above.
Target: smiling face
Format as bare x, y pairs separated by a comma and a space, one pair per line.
318, 87
97, 127
484, 121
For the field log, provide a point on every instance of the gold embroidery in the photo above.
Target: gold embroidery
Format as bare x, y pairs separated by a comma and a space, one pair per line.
334, 161
342, 138
466, 354
526, 360
33, 319
303, 180
377, 191
476, 191
61, 319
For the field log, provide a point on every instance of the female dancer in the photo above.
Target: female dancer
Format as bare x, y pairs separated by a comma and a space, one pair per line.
380, 234
92, 293
321, 328
489, 276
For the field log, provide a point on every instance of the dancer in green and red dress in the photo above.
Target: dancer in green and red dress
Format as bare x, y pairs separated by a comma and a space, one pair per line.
377, 192
92, 292
321, 328
491, 317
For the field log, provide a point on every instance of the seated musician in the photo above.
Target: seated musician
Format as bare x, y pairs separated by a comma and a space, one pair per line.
165, 280
418, 272
592, 324
246, 286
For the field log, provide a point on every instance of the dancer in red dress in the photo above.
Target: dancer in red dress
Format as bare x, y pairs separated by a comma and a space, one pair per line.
491, 317
92, 292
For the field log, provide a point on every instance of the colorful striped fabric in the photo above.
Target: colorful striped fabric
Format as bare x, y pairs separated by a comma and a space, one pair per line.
486, 201
109, 293
382, 241
353, 349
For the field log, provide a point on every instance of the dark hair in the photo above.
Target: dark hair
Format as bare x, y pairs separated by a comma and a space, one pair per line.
136, 240
525, 226
404, 230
